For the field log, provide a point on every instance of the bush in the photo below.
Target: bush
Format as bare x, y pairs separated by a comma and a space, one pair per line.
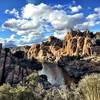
89, 87
23, 93
4, 92
32, 79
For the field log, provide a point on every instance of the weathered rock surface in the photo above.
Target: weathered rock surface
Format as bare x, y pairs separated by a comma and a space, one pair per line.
75, 43
77, 68
47, 51
14, 65
33, 51
78, 54
71, 55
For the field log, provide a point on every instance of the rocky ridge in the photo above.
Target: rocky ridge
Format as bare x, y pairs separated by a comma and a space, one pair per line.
75, 43
77, 55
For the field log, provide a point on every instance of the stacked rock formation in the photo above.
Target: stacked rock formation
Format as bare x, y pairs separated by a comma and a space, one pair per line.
17, 63
33, 51
75, 43
47, 51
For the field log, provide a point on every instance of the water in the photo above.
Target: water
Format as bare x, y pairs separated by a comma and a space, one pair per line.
53, 73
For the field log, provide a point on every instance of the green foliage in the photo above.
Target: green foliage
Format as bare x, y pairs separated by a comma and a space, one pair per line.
17, 93
88, 89
4, 92
32, 79
22, 93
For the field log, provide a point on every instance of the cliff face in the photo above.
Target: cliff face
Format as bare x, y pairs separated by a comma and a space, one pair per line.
47, 51
75, 43
33, 51
14, 65
17, 63
69, 54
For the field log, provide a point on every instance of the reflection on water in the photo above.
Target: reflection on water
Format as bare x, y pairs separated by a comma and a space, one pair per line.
53, 72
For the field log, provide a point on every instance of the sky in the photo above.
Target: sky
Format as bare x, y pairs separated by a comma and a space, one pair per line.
25, 22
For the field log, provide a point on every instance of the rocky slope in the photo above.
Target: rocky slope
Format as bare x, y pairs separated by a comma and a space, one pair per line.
75, 43
14, 65
77, 55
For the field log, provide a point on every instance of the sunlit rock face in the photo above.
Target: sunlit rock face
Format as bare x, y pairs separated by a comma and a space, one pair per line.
47, 51
76, 44
98, 35
59, 58
33, 51
53, 41
87, 48
53, 73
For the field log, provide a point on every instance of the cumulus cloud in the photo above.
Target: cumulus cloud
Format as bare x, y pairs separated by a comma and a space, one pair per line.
12, 12
9, 42
92, 17
75, 9
97, 10
36, 20
91, 20
35, 11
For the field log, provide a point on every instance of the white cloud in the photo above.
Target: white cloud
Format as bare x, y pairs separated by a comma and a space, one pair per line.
60, 36
12, 38
9, 42
58, 6
75, 9
91, 20
35, 20
13, 12
92, 17
35, 11
97, 10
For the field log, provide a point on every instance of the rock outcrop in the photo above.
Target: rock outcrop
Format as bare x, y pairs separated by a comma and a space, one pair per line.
68, 54
14, 65
33, 51
98, 35
47, 51
77, 45
87, 47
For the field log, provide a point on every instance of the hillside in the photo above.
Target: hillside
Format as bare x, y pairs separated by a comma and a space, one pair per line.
55, 62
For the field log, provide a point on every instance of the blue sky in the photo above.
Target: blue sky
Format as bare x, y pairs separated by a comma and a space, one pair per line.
24, 22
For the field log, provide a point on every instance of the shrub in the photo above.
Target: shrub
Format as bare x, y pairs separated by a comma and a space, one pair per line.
32, 79
23, 93
89, 87
4, 92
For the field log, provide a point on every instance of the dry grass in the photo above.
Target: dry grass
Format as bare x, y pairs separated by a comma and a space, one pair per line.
89, 87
